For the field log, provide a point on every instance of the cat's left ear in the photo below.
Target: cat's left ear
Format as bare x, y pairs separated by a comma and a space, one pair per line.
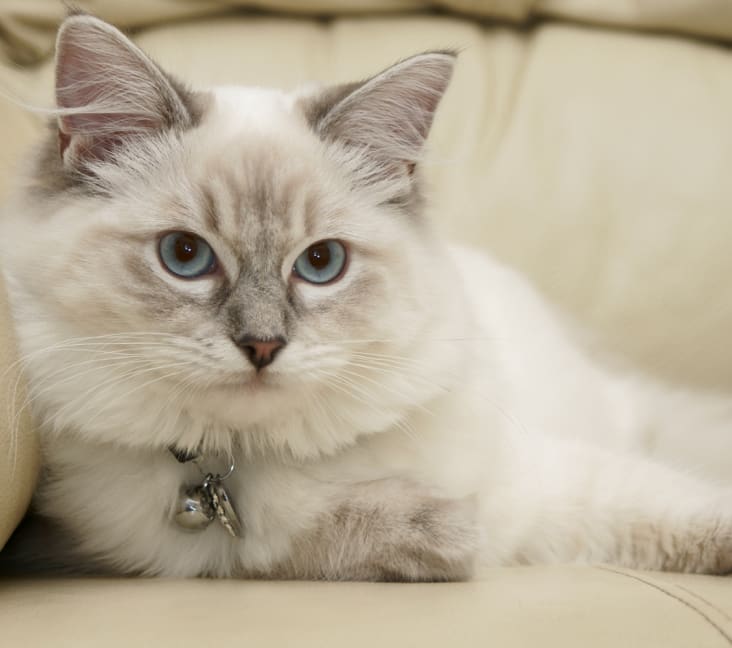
389, 115
109, 92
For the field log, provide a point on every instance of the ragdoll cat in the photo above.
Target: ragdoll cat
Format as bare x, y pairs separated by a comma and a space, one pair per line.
249, 355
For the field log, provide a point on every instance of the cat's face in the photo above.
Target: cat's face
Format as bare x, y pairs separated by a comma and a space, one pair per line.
236, 263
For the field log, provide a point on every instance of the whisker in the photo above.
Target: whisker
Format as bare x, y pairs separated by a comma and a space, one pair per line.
399, 424
15, 413
113, 382
479, 338
95, 362
98, 344
184, 387
342, 385
147, 384
88, 343
399, 393
401, 372
34, 393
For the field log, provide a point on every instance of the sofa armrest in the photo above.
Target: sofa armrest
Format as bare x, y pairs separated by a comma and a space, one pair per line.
19, 460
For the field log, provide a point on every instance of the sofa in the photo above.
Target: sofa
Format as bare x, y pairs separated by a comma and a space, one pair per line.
587, 143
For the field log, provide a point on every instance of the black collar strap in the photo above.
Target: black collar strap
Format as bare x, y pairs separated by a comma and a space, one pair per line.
183, 456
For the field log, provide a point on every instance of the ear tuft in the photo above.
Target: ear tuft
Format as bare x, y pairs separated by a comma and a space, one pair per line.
107, 89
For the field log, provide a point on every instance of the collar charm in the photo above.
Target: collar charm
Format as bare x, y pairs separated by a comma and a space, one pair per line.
201, 504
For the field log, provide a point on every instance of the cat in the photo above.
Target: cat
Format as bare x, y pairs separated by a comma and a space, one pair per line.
243, 283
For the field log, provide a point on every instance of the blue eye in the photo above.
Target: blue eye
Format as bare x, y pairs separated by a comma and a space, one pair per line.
186, 255
322, 262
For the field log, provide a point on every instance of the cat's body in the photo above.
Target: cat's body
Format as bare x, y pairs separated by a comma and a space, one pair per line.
426, 411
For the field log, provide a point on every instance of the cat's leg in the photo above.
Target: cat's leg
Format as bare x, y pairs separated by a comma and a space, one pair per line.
387, 530
578, 503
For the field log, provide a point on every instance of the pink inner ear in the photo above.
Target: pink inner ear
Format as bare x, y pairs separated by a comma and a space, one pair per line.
99, 69
94, 136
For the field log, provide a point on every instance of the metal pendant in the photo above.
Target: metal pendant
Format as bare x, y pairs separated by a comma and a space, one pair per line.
198, 506
195, 511
224, 509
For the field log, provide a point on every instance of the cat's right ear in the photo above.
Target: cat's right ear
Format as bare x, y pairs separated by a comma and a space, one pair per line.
386, 118
108, 91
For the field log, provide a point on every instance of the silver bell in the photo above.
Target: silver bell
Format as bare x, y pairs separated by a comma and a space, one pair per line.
195, 511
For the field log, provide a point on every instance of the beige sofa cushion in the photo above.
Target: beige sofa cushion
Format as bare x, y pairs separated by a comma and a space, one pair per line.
506, 608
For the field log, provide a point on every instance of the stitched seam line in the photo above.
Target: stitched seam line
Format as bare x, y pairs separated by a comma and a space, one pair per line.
701, 598
688, 604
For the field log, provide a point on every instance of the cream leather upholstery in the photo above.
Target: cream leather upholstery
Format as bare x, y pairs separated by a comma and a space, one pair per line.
507, 608
30, 26
596, 160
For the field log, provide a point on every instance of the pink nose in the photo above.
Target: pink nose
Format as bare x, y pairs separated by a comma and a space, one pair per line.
260, 352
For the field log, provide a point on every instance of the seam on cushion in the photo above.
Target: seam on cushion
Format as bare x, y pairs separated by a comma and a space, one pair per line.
504, 120
670, 594
709, 603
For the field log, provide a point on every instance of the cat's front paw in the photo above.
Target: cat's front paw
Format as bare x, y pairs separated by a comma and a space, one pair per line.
436, 541
392, 530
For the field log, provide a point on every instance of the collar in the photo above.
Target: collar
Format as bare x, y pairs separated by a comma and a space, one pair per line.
183, 456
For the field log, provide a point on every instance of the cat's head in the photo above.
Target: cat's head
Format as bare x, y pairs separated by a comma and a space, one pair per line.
197, 267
